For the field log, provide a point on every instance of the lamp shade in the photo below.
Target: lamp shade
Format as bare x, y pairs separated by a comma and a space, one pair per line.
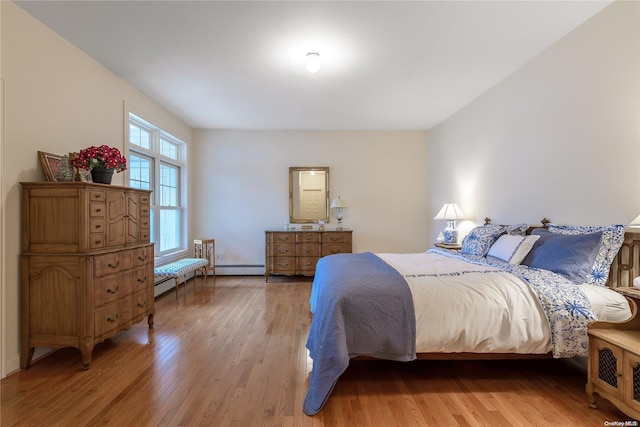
635, 222
450, 212
338, 203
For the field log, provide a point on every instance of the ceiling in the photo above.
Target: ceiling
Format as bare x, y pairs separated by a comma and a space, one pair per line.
384, 65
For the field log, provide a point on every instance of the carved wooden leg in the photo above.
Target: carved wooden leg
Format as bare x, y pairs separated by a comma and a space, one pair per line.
25, 358
591, 396
150, 321
86, 348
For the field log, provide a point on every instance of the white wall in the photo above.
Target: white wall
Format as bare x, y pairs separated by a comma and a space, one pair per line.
57, 100
559, 138
241, 186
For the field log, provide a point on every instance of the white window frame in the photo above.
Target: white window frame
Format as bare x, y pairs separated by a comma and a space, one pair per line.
153, 153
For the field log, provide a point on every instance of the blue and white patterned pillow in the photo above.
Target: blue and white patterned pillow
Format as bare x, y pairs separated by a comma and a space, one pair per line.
517, 229
612, 238
480, 239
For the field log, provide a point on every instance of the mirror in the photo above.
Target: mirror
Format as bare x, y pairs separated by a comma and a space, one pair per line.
308, 194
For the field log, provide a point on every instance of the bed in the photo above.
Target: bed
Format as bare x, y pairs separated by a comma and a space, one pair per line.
512, 291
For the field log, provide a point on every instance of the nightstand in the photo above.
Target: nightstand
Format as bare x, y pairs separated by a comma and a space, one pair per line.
614, 360
455, 246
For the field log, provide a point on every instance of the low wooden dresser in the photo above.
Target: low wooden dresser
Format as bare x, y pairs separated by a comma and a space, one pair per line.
614, 360
292, 253
86, 265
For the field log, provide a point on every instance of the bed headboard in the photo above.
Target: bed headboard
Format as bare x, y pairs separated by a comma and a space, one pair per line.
626, 265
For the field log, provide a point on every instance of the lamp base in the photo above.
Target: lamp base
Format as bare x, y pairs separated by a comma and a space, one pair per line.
450, 236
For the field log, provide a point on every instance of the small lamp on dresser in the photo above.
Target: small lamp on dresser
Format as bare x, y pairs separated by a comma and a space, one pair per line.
450, 212
339, 205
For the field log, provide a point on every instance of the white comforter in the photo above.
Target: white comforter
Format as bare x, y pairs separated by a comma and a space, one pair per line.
464, 307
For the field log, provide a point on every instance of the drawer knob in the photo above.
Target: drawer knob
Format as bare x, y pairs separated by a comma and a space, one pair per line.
142, 280
142, 304
113, 319
114, 265
111, 291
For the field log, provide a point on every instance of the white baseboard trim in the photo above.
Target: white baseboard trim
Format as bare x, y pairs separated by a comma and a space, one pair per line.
240, 270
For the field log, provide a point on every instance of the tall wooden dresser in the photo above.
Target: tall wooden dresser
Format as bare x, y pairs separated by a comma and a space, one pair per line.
293, 253
86, 265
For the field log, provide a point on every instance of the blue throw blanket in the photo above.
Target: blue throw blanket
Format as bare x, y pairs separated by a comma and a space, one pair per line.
362, 307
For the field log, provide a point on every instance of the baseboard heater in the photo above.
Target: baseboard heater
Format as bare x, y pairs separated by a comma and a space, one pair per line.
162, 285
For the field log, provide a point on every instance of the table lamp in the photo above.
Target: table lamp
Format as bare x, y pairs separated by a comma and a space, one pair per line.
450, 212
339, 205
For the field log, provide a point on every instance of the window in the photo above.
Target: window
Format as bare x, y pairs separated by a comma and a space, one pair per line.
156, 162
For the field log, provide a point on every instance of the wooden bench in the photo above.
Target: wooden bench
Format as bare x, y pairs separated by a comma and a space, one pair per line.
181, 268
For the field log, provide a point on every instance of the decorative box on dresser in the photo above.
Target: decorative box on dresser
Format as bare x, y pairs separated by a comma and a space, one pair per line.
292, 253
614, 360
86, 265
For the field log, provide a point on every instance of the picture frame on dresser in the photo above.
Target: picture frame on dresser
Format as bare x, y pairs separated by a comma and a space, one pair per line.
49, 163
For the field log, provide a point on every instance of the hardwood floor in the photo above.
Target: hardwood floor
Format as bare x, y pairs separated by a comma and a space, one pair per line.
234, 355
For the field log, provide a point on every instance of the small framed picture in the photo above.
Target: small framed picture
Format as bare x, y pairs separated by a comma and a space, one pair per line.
50, 163
82, 175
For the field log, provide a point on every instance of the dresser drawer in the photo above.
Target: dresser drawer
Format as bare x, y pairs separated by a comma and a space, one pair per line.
283, 250
282, 238
97, 196
335, 248
111, 288
308, 250
96, 241
335, 237
96, 225
145, 223
282, 265
308, 237
97, 209
113, 316
141, 304
142, 278
108, 264
307, 265
142, 256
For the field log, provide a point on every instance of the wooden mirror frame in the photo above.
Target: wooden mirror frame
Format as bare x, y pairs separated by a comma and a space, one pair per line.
297, 217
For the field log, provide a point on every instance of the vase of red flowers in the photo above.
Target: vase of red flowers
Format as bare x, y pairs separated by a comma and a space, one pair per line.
101, 161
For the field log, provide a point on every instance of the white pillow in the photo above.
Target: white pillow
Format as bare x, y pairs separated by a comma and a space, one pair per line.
512, 248
606, 303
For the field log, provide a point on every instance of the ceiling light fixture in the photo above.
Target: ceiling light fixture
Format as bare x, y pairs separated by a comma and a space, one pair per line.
313, 62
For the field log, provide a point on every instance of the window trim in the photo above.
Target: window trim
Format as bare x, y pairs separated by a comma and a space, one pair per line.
157, 158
